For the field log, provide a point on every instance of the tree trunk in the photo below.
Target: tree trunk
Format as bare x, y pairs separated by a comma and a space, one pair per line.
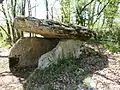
7, 22
47, 17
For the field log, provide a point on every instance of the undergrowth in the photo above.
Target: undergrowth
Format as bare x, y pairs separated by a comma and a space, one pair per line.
109, 38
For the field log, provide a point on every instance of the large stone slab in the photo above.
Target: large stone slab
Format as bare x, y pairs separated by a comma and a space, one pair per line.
53, 29
26, 52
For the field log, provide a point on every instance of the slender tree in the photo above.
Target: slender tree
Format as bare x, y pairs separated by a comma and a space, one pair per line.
7, 23
23, 13
47, 9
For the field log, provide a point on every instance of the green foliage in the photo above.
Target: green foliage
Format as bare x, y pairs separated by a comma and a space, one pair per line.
4, 39
65, 10
110, 12
4, 43
110, 38
113, 47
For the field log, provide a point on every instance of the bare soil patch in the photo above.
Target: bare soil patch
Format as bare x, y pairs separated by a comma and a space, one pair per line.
7, 80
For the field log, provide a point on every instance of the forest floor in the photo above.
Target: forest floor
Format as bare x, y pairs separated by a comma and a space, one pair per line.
7, 80
106, 79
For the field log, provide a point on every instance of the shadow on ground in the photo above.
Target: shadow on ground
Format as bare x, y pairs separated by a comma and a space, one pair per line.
22, 72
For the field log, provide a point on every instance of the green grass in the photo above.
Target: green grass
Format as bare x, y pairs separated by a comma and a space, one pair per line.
111, 46
4, 43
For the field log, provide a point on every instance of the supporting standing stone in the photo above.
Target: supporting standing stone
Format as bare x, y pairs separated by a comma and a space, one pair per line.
64, 50
26, 52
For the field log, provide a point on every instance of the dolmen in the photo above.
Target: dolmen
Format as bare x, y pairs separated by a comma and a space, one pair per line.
61, 57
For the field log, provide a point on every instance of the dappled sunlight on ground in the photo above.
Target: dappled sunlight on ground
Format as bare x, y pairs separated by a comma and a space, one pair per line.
109, 78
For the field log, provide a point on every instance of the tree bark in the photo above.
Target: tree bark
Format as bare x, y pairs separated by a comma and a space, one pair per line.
47, 10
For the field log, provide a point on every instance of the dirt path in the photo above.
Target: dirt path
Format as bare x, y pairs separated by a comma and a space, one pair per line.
7, 80
109, 78
106, 79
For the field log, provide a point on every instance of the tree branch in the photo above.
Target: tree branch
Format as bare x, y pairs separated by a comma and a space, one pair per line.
86, 6
4, 30
99, 13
